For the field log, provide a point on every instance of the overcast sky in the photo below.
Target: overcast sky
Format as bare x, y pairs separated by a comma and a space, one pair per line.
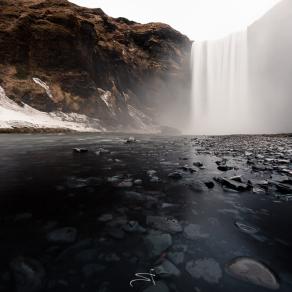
198, 19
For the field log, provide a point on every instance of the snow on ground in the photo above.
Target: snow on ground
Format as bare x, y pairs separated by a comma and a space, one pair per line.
13, 115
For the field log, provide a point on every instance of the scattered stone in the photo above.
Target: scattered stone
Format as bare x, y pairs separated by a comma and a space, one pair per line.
287, 171
133, 227
138, 182
224, 168
209, 184
280, 178
170, 225
282, 188
198, 164
262, 183
232, 184
237, 178
102, 151
80, 150
167, 269
193, 231
168, 205
250, 270
175, 175
158, 287
246, 228
258, 168
135, 196
126, 183
258, 190
130, 140
157, 243
116, 233
114, 179
28, 274
176, 257
207, 269
154, 179
63, 235
151, 172
92, 270
105, 218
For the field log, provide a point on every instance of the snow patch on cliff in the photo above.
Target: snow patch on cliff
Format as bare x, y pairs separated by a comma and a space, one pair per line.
13, 115
44, 86
106, 96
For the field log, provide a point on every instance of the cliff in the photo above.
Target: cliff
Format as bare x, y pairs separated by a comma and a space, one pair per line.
56, 56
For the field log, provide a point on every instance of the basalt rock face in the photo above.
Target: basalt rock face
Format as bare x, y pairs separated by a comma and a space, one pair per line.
124, 73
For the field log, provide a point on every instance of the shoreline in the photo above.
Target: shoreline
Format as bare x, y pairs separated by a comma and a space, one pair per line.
28, 130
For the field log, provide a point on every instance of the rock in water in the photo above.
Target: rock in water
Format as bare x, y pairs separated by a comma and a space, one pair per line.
209, 184
232, 184
158, 243
250, 270
159, 287
28, 274
130, 140
176, 257
165, 224
80, 150
105, 218
167, 269
193, 231
63, 235
207, 269
224, 168
175, 175
246, 228
133, 227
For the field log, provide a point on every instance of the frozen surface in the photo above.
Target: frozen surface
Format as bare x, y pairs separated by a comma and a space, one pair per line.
13, 115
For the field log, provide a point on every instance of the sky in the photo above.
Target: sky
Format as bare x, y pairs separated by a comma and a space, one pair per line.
198, 19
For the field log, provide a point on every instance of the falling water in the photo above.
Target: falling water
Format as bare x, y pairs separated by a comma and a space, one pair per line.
220, 102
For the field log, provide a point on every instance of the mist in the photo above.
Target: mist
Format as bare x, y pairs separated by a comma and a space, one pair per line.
270, 59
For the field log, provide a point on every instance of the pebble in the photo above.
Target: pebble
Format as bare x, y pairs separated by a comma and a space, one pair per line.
157, 243
80, 150
62, 235
105, 218
207, 269
28, 274
170, 225
193, 231
253, 271
167, 269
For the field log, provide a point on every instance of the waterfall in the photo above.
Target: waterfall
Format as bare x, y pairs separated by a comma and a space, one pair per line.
220, 101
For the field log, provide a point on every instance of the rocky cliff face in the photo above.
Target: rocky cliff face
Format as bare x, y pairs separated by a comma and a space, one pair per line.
55, 55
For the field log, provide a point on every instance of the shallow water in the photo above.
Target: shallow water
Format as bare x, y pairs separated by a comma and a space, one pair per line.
46, 186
